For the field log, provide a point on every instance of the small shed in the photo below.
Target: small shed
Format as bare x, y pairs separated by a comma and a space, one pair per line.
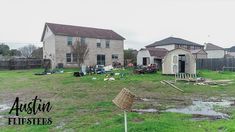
179, 61
151, 56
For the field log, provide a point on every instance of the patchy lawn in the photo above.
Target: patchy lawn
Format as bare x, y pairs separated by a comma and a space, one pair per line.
83, 104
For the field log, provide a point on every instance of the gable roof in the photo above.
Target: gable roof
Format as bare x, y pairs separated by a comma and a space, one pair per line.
173, 40
231, 49
78, 31
210, 46
157, 52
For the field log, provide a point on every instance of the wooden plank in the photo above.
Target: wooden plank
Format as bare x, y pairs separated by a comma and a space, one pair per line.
167, 82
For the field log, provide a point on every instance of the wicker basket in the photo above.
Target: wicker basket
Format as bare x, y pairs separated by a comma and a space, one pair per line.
124, 99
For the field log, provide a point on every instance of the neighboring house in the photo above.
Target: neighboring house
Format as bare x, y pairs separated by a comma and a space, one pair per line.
105, 46
214, 51
199, 53
230, 52
179, 61
172, 43
151, 56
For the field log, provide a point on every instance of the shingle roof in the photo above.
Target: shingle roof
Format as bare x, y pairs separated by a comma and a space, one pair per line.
173, 40
210, 46
157, 52
74, 31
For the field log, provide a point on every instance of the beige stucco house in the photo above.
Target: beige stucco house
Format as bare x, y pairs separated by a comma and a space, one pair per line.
105, 46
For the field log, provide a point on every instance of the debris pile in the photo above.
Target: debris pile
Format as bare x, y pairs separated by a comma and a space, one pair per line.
214, 82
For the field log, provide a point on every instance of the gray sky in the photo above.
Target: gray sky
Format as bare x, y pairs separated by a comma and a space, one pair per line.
141, 22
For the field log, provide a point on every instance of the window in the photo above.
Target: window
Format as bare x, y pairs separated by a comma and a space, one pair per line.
69, 40
100, 59
68, 57
98, 43
107, 43
75, 59
188, 47
83, 40
114, 56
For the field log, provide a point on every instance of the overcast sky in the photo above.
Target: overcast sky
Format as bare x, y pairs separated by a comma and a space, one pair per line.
141, 22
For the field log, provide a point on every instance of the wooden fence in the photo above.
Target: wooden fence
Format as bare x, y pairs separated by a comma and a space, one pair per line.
216, 64
22, 63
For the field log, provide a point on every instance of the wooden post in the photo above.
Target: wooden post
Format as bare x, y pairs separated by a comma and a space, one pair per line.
125, 121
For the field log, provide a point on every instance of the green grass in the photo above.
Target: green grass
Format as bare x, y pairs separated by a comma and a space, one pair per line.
83, 104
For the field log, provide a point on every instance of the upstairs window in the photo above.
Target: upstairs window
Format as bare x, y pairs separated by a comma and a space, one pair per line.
98, 43
69, 40
83, 40
107, 43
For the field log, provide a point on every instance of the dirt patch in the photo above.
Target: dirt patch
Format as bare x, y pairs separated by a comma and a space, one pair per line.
138, 120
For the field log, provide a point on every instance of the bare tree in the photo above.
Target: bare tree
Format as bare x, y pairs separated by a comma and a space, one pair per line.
27, 50
38, 53
80, 51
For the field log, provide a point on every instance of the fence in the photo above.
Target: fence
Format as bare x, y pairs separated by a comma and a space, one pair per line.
216, 64
22, 63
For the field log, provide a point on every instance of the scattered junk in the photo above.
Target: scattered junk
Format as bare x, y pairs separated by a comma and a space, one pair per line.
204, 109
109, 79
100, 69
47, 66
152, 68
108, 68
185, 77
214, 82
172, 85
130, 65
94, 78
78, 74
124, 101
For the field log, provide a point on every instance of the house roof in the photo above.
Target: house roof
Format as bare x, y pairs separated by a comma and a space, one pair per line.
232, 49
157, 52
173, 40
78, 31
210, 46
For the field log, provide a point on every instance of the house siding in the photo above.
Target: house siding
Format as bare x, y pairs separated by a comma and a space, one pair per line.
49, 47
168, 47
116, 47
215, 53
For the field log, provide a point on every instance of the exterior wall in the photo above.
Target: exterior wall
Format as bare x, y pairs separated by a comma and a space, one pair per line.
49, 47
116, 47
200, 56
168, 47
215, 53
170, 66
144, 54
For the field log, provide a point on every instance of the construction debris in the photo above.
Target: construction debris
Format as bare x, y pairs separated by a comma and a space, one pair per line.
215, 82
172, 85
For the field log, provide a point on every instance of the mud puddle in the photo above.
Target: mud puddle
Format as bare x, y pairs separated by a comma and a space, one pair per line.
3, 108
201, 110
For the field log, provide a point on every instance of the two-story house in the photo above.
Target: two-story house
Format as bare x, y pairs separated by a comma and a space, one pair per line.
214, 51
172, 43
105, 46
